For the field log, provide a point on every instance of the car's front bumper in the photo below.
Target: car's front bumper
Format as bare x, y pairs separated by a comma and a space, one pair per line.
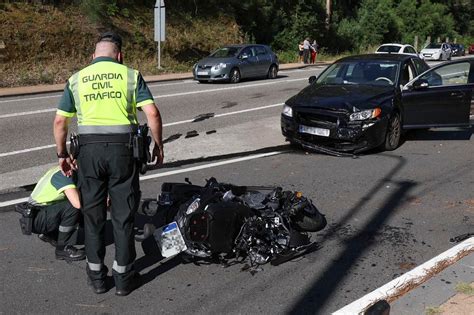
211, 75
354, 137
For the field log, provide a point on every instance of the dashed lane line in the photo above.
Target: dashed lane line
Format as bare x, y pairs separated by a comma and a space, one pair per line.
174, 172
164, 125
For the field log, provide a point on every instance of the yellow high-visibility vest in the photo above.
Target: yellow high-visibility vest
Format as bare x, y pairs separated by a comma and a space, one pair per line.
104, 97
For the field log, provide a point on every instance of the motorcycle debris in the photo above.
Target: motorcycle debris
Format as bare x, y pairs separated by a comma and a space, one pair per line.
203, 117
192, 133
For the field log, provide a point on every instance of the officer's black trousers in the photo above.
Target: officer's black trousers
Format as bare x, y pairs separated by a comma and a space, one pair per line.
108, 168
60, 216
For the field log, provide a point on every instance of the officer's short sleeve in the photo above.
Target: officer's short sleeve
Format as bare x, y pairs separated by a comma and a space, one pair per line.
61, 182
66, 105
144, 96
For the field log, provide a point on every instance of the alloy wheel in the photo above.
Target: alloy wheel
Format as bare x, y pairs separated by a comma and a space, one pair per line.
235, 76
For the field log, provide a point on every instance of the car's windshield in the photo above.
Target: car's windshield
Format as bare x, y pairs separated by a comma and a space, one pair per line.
433, 46
388, 49
225, 52
366, 72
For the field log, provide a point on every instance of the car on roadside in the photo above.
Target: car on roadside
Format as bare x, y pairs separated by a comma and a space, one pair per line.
236, 62
394, 48
457, 50
365, 101
471, 49
437, 51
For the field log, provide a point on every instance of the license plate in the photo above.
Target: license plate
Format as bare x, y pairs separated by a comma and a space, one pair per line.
314, 131
203, 73
169, 239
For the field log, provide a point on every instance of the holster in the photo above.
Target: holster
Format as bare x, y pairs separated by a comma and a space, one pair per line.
141, 147
28, 213
74, 145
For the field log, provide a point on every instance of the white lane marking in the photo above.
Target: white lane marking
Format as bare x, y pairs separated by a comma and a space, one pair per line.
225, 114
168, 84
13, 202
227, 88
200, 167
164, 125
30, 98
169, 173
159, 96
413, 278
29, 113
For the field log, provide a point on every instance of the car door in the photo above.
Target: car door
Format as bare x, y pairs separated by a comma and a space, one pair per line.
248, 62
439, 97
264, 60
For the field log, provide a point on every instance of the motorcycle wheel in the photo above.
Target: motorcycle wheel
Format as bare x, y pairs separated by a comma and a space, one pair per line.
309, 222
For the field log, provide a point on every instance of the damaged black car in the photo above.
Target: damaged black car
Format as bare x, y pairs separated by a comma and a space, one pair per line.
363, 102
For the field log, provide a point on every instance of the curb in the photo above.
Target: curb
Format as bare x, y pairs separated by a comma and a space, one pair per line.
396, 288
42, 89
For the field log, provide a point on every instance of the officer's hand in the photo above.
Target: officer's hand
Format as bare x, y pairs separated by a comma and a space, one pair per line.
157, 156
67, 166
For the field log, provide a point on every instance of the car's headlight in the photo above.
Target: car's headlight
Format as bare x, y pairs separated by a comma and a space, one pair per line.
287, 111
193, 206
366, 114
220, 66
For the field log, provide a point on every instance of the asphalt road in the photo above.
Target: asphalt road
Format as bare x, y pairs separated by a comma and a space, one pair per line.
387, 212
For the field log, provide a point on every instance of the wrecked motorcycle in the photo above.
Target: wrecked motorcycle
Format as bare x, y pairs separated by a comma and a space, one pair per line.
228, 222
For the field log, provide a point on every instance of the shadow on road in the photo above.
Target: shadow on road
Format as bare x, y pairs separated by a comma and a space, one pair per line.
440, 134
315, 298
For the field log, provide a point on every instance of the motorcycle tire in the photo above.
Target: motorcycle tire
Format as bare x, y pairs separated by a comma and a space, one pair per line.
309, 222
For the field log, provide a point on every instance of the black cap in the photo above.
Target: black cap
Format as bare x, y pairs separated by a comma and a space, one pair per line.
111, 37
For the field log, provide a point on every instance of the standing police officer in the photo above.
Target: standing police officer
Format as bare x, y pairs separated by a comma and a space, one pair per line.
105, 96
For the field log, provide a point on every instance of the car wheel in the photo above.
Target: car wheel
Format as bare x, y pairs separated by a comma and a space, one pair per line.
202, 81
234, 76
272, 72
394, 132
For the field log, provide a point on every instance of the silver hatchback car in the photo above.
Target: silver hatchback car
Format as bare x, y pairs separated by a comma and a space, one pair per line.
236, 62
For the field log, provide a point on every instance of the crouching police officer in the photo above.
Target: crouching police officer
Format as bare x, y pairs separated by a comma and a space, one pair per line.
53, 209
105, 96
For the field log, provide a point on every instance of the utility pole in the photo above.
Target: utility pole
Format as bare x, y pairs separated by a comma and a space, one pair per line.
328, 13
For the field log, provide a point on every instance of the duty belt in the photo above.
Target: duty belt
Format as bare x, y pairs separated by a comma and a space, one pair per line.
105, 138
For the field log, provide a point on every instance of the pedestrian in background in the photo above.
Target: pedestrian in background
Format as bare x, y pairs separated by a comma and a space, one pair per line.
105, 96
314, 51
306, 50
300, 52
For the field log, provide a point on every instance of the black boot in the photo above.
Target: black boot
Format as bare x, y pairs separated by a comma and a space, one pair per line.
48, 239
97, 280
126, 283
70, 253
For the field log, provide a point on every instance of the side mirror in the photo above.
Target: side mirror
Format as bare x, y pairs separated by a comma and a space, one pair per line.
244, 56
311, 79
420, 84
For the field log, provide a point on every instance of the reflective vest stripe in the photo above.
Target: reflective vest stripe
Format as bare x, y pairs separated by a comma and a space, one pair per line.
84, 129
121, 269
74, 87
130, 93
94, 267
66, 229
